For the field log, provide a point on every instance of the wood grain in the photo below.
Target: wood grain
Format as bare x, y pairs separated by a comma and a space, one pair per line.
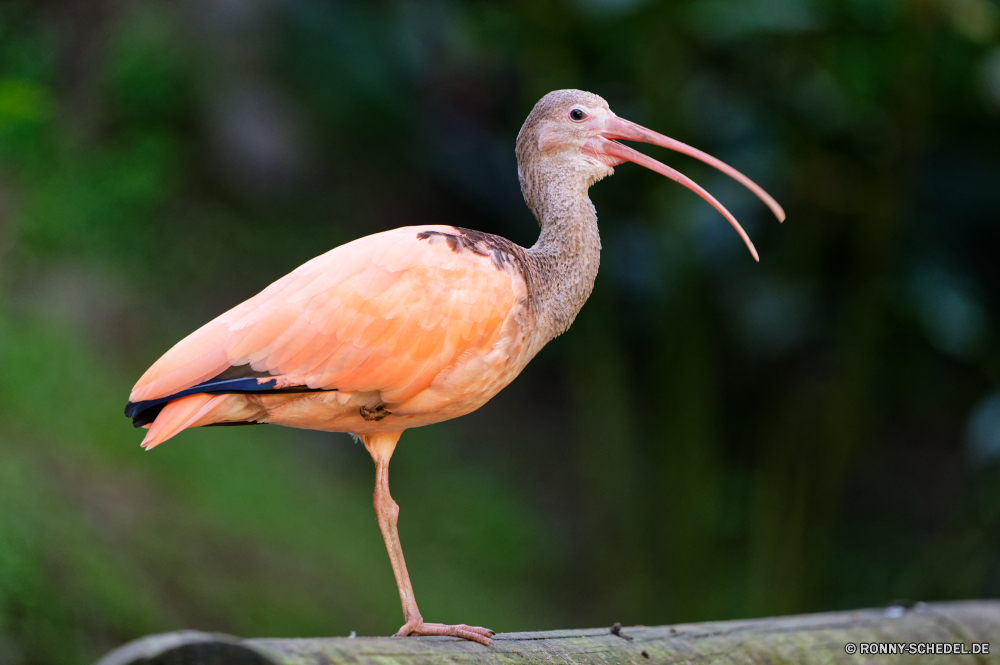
813, 638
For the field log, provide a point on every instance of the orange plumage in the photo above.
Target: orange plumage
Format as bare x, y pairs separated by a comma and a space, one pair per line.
387, 321
416, 325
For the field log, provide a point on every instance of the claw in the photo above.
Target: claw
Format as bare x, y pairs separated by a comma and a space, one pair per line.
471, 633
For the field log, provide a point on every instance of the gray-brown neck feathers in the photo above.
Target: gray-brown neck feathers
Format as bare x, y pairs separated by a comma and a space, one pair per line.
566, 258
568, 252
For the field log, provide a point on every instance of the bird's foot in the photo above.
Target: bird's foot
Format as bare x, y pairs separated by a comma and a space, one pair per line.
473, 633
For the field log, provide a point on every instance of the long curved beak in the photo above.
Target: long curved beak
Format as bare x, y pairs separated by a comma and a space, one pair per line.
605, 146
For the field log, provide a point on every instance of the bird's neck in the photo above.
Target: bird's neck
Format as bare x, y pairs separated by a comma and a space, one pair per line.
566, 257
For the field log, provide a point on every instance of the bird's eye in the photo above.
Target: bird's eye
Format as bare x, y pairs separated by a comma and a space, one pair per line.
576, 115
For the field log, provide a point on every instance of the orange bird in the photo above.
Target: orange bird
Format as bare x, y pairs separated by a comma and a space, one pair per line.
416, 325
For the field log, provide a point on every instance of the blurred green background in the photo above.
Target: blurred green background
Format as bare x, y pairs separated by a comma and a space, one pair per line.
712, 439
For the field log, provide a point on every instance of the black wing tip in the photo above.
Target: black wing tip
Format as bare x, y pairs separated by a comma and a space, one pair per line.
134, 410
145, 412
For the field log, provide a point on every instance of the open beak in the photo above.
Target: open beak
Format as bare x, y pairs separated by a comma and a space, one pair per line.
605, 147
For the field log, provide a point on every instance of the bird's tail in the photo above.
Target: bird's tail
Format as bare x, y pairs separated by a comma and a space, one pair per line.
178, 415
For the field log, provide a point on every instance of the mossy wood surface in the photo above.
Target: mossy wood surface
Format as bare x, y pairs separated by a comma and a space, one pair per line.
815, 638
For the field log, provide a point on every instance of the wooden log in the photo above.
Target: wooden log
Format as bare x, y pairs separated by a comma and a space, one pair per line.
813, 638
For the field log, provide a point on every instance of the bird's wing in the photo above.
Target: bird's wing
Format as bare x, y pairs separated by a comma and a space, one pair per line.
385, 313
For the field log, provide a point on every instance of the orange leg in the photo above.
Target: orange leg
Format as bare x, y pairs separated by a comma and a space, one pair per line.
381, 446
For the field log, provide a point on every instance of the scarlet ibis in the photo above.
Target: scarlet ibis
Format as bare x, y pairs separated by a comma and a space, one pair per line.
416, 325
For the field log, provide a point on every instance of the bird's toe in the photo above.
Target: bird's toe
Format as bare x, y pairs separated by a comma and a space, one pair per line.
471, 633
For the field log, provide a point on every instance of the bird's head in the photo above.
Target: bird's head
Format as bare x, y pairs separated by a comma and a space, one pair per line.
571, 138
